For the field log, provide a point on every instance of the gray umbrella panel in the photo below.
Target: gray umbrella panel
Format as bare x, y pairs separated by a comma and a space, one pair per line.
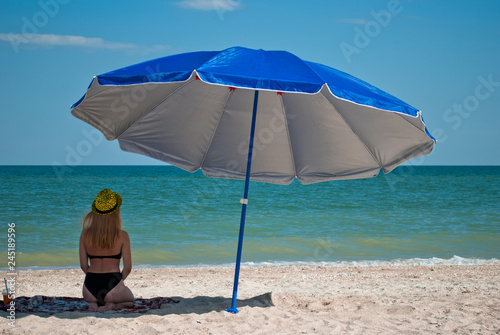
195, 125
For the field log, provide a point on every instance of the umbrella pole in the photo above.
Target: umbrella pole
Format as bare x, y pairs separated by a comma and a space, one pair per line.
244, 202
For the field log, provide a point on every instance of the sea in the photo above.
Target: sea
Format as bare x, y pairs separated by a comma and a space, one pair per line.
415, 215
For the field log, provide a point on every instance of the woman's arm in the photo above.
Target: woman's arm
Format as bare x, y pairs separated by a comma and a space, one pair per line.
84, 262
127, 256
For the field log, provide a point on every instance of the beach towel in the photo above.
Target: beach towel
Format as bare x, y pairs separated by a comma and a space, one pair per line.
53, 305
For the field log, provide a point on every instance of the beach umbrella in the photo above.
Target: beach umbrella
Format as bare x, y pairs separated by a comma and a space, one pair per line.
257, 115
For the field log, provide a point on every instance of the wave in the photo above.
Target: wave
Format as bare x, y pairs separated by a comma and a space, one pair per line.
434, 261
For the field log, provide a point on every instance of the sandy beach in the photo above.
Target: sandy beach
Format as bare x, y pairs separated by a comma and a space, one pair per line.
282, 300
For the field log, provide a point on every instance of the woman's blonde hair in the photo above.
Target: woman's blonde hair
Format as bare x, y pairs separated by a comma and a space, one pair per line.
102, 230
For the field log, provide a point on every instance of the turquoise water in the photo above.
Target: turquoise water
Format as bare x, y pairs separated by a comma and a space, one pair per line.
179, 219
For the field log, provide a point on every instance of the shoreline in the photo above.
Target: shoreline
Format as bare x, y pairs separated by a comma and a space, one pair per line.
285, 300
434, 261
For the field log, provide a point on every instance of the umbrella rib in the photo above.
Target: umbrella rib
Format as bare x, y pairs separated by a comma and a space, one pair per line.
423, 147
215, 129
154, 106
288, 136
352, 130
414, 125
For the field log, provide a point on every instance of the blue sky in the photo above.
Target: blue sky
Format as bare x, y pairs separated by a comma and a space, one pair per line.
442, 57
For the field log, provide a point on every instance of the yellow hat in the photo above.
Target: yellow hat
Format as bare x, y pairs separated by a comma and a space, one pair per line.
107, 202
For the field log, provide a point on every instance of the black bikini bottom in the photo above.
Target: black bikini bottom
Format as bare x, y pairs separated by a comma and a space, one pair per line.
99, 284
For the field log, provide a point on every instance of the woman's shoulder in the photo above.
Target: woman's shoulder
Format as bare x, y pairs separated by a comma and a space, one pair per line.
124, 235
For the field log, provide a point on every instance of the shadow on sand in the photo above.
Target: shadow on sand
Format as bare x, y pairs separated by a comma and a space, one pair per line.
196, 305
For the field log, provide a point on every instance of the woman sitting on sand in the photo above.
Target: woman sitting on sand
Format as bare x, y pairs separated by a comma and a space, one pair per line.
104, 242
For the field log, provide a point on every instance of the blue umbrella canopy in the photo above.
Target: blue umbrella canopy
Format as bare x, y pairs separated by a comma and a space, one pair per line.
278, 71
259, 115
314, 123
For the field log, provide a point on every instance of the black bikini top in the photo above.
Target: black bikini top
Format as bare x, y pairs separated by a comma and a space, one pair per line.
117, 256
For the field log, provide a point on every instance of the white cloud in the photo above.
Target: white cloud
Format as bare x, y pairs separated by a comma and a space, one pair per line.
50, 40
224, 5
